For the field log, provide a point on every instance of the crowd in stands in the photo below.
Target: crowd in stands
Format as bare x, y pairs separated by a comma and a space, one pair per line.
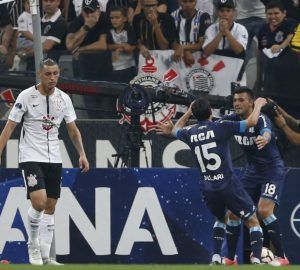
111, 33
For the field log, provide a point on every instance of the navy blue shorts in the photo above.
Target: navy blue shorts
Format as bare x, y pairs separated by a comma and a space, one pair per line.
264, 187
233, 198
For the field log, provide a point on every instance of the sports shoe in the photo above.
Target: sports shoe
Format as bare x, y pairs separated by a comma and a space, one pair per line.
34, 253
278, 261
51, 261
217, 260
255, 260
230, 262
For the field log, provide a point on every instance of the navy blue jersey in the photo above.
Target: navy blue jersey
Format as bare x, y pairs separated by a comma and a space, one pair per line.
264, 160
268, 38
209, 141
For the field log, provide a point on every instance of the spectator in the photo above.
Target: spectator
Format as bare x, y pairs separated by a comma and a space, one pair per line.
206, 6
135, 8
154, 30
25, 37
226, 37
86, 39
278, 73
75, 7
73, 10
117, 3
5, 37
53, 30
191, 25
121, 41
172, 5
252, 16
292, 8
289, 125
14, 9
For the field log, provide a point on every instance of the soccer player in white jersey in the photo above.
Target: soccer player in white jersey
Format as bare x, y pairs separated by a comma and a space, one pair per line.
41, 109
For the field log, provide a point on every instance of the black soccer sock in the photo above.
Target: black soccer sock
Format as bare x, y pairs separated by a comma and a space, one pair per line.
275, 235
256, 241
218, 237
233, 229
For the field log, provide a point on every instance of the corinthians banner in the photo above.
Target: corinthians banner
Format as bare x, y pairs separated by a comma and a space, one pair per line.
212, 75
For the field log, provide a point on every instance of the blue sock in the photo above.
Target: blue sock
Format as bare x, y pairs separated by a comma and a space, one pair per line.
233, 230
218, 237
256, 241
274, 233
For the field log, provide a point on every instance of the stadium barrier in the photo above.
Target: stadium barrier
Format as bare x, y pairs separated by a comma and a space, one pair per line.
103, 138
130, 216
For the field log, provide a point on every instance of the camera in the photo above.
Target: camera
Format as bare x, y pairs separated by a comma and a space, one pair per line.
133, 100
270, 109
234, 86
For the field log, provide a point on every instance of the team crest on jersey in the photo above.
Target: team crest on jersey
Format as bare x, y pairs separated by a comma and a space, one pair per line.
47, 29
161, 111
32, 181
279, 36
199, 79
47, 123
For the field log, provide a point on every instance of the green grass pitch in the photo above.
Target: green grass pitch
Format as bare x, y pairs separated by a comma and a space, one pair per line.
137, 267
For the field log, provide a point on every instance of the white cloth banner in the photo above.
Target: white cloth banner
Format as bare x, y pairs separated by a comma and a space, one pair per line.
212, 75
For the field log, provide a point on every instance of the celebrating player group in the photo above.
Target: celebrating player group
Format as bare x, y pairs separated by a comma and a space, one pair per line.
251, 198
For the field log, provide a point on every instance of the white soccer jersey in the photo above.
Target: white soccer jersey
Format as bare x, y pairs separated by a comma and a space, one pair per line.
238, 31
25, 22
41, 116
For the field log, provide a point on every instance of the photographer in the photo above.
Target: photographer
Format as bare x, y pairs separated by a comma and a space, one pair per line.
289, 125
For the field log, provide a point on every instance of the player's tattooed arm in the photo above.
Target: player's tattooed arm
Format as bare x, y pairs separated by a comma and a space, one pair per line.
262, 140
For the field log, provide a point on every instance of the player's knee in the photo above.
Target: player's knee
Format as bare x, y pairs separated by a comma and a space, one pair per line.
232, 216
50, 206
50, 209
39, 205
264, 211
252, 221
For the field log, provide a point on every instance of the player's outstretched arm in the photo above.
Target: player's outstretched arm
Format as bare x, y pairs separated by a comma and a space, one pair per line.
251, 121
182, 120
164, 128
6, 133
76, 139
